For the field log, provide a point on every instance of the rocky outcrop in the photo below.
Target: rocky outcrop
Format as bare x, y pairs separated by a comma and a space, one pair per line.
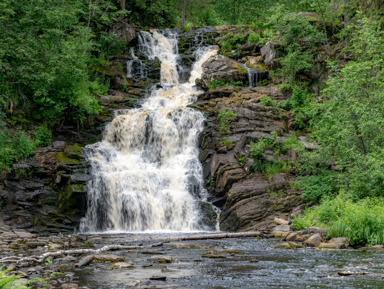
249, 200
268, 53
124, 32
222, 68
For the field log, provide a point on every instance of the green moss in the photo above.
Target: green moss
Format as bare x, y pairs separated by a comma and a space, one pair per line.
74, 149
63, 160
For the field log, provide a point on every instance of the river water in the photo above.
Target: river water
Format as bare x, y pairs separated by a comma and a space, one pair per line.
231, 263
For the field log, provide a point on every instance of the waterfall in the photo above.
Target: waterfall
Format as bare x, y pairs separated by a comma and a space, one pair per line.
146, 175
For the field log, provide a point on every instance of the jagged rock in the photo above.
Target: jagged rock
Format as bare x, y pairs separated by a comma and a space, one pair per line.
223, 69
314, 241
221, 91
124, 31
268, 53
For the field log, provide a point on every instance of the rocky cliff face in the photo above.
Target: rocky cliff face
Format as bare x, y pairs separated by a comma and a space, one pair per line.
48, 191
249, 199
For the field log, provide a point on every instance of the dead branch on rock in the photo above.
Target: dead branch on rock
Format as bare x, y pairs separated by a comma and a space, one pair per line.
216, 236
41, 258
85, 261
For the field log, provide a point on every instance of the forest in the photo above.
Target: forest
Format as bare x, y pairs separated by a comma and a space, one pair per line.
48, 48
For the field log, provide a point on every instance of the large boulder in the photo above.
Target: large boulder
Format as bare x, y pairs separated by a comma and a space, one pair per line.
268, 53
223, 69
125, 32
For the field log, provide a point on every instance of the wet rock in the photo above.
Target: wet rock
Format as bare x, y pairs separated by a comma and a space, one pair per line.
288, 245
213, 255
69, 286
314, 241
190, 246
120, 265
158, 278
162, 259
108, 258
348, 273
332, 246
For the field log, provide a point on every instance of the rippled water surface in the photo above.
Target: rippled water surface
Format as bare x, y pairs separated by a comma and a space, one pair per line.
231, 263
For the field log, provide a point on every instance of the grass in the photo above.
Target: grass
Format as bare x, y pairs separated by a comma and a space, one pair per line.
362, 221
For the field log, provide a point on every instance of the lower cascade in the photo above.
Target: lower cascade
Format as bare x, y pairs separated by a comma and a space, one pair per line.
146, 175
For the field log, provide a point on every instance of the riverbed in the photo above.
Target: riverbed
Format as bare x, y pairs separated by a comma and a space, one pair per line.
228, 263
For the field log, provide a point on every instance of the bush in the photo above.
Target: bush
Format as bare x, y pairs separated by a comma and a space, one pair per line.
362, 222
22, 146
43, 136
267, 101
225, 117
218, 83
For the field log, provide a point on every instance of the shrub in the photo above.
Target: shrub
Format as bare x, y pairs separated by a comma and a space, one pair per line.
225, 117
362, 222
43, 136
218, 83
22, 146
267, 101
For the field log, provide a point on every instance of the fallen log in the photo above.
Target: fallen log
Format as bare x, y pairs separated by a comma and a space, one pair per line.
41, 258
208, 236
85, 261
216, 236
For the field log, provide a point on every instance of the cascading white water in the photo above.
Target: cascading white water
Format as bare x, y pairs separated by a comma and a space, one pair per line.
146, 175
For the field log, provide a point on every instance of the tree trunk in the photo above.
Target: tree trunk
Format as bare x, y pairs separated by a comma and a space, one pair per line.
122, 5
182, 13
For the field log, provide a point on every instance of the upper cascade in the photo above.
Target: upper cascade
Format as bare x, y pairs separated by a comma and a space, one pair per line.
146, 175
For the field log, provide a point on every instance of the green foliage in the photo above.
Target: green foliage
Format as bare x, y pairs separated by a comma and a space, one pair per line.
211, 183
301, 105
45, 62
253, 37
242, 160
350, 120
9, 281
267, 101
264, 165
361, 221
225, 142
218, 83
22, 146
43, 136
225, 117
